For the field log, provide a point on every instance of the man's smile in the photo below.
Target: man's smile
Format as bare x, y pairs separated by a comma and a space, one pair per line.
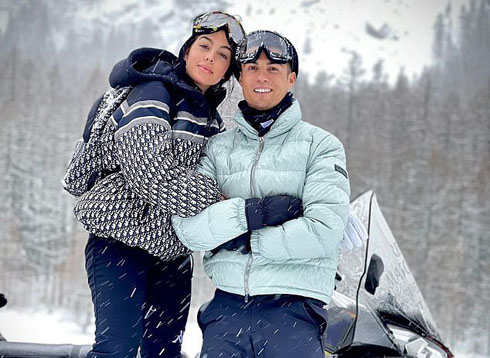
262, 90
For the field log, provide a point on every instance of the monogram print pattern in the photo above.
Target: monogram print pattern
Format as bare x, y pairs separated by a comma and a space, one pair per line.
91, 158
151, 178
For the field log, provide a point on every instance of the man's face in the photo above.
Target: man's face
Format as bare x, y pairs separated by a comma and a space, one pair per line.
265, 84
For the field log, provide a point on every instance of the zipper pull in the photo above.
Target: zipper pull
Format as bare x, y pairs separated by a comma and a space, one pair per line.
246, 298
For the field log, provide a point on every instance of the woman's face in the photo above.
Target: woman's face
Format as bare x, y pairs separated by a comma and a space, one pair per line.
208, 59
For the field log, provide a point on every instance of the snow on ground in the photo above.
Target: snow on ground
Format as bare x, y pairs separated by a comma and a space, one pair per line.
55, 327
42, 327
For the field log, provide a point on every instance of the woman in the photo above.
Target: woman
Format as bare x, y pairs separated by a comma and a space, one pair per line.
139, 273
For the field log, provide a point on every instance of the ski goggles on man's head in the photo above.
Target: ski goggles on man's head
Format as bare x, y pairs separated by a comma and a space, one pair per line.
214, 21
276, 47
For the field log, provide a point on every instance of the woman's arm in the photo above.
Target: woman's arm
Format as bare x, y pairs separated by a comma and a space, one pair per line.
154, 170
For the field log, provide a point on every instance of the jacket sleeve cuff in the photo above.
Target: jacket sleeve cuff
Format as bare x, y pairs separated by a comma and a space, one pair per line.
212, 227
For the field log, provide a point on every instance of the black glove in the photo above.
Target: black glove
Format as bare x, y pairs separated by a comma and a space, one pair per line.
240, 243
272, 210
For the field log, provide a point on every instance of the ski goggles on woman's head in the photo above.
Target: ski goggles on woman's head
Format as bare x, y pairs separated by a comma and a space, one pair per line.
214, 21
276, 47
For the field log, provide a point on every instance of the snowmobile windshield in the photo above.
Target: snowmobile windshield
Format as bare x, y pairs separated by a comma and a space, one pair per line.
380, 273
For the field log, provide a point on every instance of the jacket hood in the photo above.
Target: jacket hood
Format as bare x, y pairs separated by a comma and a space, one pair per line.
152, 64
142, 65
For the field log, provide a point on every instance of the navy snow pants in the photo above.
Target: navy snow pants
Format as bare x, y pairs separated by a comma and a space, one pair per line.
268, 326
139, 301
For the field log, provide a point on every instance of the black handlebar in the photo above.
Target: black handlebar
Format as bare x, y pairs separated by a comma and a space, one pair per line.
3, 300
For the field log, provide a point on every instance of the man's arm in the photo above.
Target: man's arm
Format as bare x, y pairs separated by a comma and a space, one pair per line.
326, 205
212, 227
217, 223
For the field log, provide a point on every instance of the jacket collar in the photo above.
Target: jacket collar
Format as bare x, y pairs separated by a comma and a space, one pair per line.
287, 120
263, 120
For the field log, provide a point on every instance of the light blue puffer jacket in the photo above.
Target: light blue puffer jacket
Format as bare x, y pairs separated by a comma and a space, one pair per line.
293, 158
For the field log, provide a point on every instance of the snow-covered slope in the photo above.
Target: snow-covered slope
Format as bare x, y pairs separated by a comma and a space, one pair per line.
325, 32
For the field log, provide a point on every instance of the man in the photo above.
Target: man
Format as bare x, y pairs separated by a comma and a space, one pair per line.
275, 243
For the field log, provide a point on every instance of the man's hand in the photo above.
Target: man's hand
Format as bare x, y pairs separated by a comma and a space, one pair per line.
355, 232
269, 211
272, 210
240, 243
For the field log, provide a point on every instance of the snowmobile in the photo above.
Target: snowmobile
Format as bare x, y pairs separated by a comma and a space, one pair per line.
377, 309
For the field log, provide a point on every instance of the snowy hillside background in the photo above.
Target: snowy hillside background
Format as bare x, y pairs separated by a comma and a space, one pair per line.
405, 84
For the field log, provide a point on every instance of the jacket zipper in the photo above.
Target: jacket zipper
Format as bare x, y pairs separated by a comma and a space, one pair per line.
252, 190
254, 165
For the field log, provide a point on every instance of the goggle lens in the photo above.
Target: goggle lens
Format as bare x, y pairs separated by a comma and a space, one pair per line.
216, 20
274, 44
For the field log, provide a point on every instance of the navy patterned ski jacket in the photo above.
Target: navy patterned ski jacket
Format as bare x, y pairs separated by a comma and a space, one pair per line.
159, 132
